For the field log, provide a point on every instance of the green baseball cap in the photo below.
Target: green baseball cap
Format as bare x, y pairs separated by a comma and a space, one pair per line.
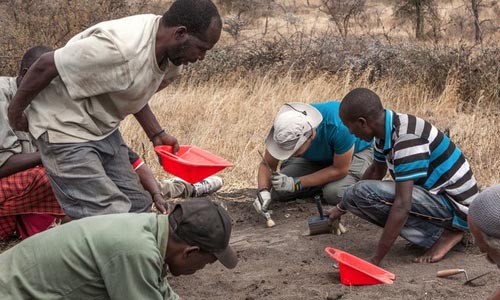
203, 223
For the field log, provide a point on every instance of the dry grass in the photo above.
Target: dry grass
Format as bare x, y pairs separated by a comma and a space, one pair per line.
231, 116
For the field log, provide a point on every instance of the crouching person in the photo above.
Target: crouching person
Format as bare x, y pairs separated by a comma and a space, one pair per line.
484, 224
317, 152
121, 256
433, 184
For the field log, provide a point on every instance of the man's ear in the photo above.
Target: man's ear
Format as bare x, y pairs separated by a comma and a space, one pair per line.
181, 33
362, 122
313, 135
190, 250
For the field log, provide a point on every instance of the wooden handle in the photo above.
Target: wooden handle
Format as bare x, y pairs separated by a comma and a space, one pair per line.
449, 272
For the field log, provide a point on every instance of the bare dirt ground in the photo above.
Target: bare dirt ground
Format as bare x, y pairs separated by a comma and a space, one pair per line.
284, 263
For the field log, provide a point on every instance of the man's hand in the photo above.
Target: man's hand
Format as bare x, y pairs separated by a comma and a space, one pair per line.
283, 183
160, 203
375, 260
17, 120
334, 214
261, 203
166, 139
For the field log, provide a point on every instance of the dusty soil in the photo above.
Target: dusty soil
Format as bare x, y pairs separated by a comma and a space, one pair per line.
284, 263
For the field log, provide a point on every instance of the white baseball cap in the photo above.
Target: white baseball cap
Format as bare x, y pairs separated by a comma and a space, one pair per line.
291, 128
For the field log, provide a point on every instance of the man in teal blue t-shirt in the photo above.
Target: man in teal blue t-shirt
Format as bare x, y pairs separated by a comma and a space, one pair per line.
317, 152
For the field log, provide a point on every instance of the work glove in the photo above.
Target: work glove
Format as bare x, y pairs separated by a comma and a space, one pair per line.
261, 203
283, 183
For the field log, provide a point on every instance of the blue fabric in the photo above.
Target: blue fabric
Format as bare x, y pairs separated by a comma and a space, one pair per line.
372, 200
411, 166
332, 136
445, 143
442, 169
388, 129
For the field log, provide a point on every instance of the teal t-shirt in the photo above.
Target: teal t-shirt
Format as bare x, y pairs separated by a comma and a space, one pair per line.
332, 136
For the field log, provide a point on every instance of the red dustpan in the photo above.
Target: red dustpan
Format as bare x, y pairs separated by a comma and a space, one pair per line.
190, 163
356, 271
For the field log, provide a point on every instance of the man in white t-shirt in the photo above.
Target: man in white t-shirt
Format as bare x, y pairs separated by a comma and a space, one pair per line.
78, 94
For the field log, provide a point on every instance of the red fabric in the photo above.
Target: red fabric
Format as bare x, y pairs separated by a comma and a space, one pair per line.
29, 225
25, 193
137, 163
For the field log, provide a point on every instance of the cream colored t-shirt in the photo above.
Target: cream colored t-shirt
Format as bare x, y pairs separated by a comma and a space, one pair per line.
105, 73
11, 142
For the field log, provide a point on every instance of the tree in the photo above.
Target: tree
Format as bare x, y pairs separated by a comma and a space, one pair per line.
420, 11
475, 14
343, 12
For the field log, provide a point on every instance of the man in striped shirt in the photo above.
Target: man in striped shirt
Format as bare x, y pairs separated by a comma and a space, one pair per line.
427, 203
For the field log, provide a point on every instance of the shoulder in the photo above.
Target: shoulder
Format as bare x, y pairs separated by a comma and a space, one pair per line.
330, 112
129, 35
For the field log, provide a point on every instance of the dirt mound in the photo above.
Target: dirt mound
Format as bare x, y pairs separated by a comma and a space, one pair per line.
284, 263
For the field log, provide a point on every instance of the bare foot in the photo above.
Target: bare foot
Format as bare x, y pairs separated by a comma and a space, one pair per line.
445, 243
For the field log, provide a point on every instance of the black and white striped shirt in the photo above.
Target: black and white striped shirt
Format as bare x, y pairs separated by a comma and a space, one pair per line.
418, 151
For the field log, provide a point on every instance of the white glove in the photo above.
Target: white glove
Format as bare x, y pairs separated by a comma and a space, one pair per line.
261, 203
283, 183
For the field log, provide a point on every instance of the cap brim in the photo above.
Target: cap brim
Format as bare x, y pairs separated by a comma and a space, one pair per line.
279, 153
227, 257
314, 118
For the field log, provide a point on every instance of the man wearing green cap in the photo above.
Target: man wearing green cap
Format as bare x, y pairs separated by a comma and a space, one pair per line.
121, 256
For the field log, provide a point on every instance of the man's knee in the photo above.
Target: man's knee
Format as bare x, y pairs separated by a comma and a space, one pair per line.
333, 193
360, 192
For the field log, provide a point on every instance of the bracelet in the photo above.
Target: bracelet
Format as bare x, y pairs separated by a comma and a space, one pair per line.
340, 209
158, 193
157, 134
297, 185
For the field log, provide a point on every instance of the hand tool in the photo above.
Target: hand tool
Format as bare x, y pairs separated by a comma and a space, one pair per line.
269, 222
450, 272
321, 224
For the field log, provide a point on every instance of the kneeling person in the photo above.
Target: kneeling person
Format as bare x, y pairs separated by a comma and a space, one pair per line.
318, 153
121, 256
433, 185
484, 223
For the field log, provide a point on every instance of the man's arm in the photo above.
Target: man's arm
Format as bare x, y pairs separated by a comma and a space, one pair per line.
39, 75
150, 184
153, 129
396, 219
376, 171
338, 170
264, 174
136, 275
19, 162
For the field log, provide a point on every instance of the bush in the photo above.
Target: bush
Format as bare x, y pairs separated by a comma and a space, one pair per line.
27, 23
476, 70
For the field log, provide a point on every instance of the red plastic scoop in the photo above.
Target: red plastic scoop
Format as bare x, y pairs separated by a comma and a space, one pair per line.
190, 163
356, 271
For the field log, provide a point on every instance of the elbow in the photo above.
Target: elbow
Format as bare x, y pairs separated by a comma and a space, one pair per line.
341, 172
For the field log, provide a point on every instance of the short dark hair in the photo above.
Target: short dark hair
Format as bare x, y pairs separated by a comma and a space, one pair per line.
361, 102
31, 56
196, 15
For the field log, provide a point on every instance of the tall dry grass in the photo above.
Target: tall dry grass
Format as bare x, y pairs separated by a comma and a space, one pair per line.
231, 115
